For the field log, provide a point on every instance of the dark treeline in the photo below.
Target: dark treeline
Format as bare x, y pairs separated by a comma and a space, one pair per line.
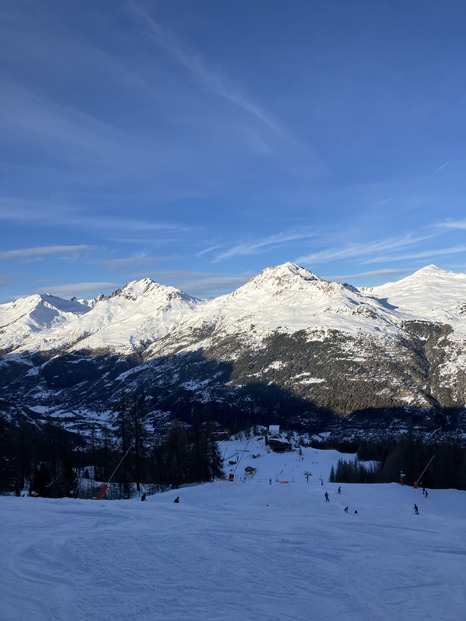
407, 454
42, 457
354, 472
53, 462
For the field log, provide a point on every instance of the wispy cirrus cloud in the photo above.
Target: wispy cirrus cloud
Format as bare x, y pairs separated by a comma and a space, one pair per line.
459, 225
125, 264
26, 112
255, 246
40, 251
360, 249
128, 224
425, 254
93, 147
444, 165
202, 73
374, 274
201, 253
13, 209
6, 280
48, 213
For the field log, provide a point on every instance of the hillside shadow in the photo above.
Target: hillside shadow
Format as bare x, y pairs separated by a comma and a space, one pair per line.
189, 385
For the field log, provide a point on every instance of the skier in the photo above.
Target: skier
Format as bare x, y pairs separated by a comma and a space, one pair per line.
143, 497
416, 510
326, 497
177, 499
339, 490
346, 509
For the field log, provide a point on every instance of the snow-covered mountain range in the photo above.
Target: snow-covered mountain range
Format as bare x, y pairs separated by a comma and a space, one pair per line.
286, 345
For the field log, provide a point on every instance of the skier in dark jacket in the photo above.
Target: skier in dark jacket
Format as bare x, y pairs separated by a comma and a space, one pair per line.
177, 499
416, 510
326, 497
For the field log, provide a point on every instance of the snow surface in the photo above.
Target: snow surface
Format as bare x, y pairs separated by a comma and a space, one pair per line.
246, 550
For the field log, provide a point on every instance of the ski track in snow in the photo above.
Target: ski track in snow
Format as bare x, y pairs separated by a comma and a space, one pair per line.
247, 549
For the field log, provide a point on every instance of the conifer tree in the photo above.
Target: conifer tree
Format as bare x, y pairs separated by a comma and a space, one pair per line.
41, 481
215, 460
137, 418
120, 425
175, 448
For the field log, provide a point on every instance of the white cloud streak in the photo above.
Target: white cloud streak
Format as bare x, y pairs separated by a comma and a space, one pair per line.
355, 250
79, 138
6, 280
29, 113
256, 246
425, 254
41, 251
125, 264
215, 83
49, 214
444, 165
383, 273
459, 225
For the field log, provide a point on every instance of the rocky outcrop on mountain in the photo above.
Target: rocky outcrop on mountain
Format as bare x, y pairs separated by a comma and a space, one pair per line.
286, 346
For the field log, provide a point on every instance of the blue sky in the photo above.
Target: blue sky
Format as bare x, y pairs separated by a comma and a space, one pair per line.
198, 142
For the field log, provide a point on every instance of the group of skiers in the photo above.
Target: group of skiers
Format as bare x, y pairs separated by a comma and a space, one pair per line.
327, 499
415, 508
143, 498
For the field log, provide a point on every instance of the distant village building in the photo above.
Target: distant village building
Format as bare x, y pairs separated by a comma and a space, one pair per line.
280, 445
276, 442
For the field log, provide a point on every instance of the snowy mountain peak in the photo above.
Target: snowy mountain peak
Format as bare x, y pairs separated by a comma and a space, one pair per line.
283, 277
287, 298
39, 310
66, 306
34, 314
433, 271
147, 288
288, 271
431, 293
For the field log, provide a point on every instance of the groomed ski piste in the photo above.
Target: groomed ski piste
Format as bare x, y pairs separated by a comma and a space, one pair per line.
261, 547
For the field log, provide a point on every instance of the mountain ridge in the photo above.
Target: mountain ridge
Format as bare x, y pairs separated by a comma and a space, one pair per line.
321, 346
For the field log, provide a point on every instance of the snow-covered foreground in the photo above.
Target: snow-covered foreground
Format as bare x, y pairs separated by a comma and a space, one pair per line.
243, 550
